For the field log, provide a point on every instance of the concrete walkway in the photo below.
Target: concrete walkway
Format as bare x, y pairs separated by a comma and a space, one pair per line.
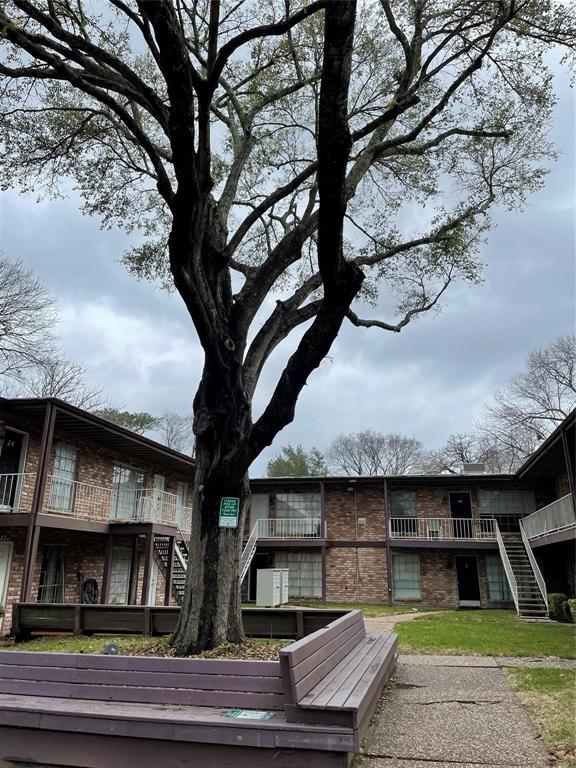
451, 712
377, 624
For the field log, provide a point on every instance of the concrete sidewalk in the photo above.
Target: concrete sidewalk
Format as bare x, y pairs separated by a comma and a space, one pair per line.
460, 713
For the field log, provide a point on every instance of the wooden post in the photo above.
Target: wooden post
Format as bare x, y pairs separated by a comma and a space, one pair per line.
77, 619
569, 468
148, 554
323, 535
107, 569
37, 502
169, 570
387, 533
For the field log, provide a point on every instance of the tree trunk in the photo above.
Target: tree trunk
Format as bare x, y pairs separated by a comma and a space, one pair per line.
211, 610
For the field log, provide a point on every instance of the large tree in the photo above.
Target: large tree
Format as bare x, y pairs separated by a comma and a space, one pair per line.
334, 155
375, 453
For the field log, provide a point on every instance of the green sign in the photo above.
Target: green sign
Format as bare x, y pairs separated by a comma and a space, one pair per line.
249, 714
229, 512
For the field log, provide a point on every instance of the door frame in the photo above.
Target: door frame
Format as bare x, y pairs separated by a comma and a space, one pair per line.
21, 463
468, 603
4, 589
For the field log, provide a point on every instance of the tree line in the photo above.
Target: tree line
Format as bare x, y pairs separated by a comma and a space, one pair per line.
516, 420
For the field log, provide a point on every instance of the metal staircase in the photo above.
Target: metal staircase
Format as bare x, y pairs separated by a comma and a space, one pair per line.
249, 550
524, 577
179, 565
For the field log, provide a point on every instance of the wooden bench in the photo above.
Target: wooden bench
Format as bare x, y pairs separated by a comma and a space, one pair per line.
95, 711
336, 675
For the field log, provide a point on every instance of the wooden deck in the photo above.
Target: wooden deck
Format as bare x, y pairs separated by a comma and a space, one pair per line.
97, 711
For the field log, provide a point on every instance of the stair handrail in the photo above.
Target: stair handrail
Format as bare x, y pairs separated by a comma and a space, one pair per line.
534, 564
507, 567
248, 551
180, 556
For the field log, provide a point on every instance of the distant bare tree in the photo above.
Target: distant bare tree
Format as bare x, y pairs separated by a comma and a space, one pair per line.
58, 377
27, 317
375, 453
475, 447
538, 398
176, 432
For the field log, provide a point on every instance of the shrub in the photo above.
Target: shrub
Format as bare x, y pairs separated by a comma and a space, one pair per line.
572, 610
556, 602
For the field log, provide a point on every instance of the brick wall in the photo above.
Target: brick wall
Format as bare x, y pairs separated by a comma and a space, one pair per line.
356, 574
355, 512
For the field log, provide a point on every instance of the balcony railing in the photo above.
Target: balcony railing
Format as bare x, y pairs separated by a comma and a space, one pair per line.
555, 517
440, 528
290, 528
85, 501
16, 491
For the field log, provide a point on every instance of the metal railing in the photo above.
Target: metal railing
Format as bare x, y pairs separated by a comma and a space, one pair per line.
249, 550
434, 528
507, 567
535, 568
16, 491
554, 517
90, 502
290, 528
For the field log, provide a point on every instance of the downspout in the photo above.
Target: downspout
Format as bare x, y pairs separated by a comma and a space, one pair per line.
33, 531
387, 534
323, 534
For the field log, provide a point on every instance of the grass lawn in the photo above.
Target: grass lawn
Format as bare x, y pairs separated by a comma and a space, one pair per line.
486, 633
549, 695
136, 645
370, 610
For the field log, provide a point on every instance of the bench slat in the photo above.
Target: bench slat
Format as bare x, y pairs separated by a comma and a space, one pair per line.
145, 679
361, 688
367, 668
301, 649
230, 699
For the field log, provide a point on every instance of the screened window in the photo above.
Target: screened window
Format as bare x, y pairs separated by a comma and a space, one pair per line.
305, 572
498, 588
120, 576
406, 583
63, 477
506, 506
52, 575
297, 505
127, 486
403, 504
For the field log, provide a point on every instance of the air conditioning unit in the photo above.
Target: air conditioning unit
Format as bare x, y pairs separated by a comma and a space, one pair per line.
474, 469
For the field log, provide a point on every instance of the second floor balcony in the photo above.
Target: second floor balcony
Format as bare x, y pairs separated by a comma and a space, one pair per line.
442, 529
85, 501
290, 528
554, 518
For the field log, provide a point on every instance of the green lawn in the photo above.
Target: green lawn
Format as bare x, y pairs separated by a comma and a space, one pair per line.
370, 610
487, 633
549, 695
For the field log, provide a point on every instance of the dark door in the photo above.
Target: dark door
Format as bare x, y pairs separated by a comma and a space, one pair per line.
461, 514
468, 584
10, 451
260, 560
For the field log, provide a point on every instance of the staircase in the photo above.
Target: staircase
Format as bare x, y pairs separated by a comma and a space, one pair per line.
249, 550
526, 584
179, 565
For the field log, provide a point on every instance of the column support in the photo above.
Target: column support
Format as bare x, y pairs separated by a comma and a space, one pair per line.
107, 570
148, 555
169, 569
387, 534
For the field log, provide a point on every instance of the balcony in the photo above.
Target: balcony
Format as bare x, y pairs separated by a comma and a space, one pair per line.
84, 501
290, 528
442, 529
555, 518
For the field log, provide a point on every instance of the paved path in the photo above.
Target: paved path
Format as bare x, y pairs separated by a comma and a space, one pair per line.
387, 623
453, 712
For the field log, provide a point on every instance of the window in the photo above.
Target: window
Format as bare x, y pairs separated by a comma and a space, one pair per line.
498, 589
52, 575
127, 486
181, 506
63, 477
406, 577
120, 576
293, 505
403, 521
506, 506
305, 572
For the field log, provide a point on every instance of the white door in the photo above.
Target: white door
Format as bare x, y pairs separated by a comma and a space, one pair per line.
5, 558
63, 477
259, 509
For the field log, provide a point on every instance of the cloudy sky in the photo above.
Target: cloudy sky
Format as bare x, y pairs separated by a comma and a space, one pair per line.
428, 381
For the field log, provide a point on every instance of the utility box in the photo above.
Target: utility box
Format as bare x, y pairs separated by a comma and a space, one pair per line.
271, 587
